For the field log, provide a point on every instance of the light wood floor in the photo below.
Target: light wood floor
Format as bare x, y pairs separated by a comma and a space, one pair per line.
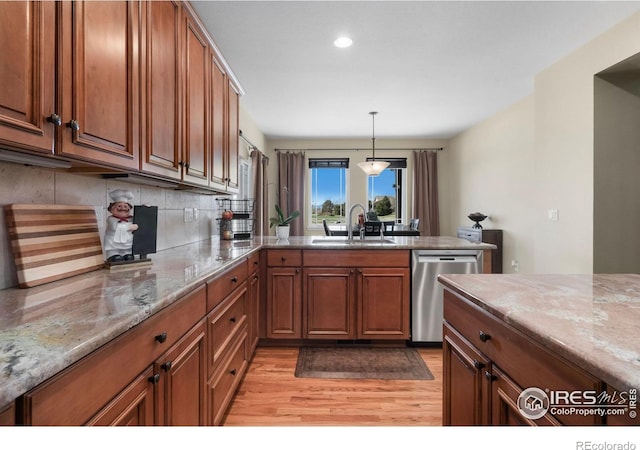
270, 394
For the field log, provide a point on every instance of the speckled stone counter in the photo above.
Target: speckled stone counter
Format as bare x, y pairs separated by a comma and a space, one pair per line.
47, 328
591, 320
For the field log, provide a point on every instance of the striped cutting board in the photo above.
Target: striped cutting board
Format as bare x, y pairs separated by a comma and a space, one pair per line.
51, 242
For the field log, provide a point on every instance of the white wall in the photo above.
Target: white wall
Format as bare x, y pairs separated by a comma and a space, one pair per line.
491, 172
564, 143
552, 170
616, 241
357, 189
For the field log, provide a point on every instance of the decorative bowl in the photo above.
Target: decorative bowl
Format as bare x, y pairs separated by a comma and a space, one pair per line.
477, 218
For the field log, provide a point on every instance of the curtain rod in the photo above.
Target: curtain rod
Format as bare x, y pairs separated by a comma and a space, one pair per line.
437, 149
251, 145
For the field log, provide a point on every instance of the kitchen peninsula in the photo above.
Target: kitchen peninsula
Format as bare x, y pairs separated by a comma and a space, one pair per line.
558, 333
65, 325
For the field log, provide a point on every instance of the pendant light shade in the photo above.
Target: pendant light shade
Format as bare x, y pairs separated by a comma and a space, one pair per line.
373, 168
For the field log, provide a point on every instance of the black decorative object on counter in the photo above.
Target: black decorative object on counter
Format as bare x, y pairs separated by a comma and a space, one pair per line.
477, 218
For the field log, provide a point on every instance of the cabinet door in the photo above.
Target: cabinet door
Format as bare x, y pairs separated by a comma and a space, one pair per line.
218, 133
27, 74
233, 110
466, 393
284, 315
8, 416
132, 407
162, 141
196, 103
504, 406
182, 383
329, 303
383, 303
99, 72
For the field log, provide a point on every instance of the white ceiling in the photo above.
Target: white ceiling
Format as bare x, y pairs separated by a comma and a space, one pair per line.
431, 68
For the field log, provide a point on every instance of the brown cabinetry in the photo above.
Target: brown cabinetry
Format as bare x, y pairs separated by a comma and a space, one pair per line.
364, 294
254, 302
135, 86
284, 294
229, 325
476, 345
27, 75
100, 78
8, 416
225, 129
78, 394
71, 85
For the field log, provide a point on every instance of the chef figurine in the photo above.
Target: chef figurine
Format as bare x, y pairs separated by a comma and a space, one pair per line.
118, 237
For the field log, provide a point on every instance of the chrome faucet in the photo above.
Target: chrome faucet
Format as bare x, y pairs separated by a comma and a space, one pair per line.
349, 227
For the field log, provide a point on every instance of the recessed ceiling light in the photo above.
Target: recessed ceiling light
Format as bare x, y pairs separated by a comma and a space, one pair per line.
343, 42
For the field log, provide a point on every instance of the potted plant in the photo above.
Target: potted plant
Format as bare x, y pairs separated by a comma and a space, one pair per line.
282, 223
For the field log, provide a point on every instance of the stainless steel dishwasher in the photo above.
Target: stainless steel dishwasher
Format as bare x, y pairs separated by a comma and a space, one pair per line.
427, 293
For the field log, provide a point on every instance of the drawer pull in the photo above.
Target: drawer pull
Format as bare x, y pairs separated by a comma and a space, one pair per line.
154, 378
232, 320
283, 258
162, 337
74, 125
234, 279
477, 364
233, 372
167, 366
484, 337
255, 263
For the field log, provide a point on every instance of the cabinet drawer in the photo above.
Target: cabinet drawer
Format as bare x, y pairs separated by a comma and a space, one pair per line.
224, 323
222, 285
527, 362
356, 258
224, 382
77, 393
284, 258
253, 262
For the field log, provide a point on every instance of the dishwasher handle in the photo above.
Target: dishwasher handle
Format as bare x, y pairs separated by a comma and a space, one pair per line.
446, 258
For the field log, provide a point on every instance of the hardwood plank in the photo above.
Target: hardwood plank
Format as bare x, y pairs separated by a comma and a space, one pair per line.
270, 395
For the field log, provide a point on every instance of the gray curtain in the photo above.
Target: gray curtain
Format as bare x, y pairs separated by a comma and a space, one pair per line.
291, 188
259, 164
425, 192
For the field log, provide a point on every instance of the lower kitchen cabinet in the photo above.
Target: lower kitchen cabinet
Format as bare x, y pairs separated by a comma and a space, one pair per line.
384, 301
361, 295
284, 294
134, 406
329, 304
180, 381
79, 393
8, 416
487, 364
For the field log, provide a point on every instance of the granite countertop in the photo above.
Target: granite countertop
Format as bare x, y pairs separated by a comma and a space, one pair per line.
47, 328
591, 320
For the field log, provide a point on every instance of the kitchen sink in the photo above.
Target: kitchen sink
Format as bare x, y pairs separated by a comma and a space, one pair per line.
354, 241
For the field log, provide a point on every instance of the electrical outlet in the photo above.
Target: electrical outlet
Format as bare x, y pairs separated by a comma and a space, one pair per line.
553, 215
195, 214
188, 215
515, 265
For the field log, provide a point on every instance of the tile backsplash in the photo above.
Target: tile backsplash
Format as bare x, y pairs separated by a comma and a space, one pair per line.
27, 184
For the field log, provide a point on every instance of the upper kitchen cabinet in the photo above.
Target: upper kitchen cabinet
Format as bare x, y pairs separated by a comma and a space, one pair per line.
27, 75
99, 82
225, 129
161, 71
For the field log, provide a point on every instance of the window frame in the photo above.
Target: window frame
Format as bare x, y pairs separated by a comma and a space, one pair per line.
325, 164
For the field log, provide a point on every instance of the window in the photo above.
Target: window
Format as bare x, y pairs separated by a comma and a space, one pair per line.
328, 190
385, 193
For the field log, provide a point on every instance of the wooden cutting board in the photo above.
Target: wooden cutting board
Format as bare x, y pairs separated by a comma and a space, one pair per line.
51, 242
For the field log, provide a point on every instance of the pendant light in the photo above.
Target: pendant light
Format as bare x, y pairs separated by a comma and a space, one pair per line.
373, 168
